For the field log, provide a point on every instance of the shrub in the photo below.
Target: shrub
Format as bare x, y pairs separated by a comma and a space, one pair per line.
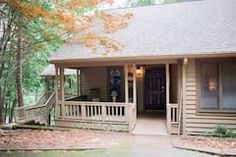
222, 131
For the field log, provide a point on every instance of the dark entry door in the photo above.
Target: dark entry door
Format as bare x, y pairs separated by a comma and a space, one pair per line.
155, 88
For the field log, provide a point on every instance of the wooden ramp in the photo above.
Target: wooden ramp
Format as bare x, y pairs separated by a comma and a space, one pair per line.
38, 113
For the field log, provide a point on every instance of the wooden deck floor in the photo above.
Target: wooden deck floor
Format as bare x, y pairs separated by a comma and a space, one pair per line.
151, 123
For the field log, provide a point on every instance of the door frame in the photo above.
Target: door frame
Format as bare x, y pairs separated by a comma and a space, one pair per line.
147, 67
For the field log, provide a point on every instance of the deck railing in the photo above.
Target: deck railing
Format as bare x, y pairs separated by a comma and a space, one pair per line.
172, 117
104, 112
38, 112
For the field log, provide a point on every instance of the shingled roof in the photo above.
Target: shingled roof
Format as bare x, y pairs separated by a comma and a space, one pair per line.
171, 30
50, 71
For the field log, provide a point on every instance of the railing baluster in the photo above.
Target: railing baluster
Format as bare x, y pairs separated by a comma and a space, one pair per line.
108, 109
104, 112
87, 110
177, 115
76, 110
83, 111
95, 112
73, 110
80, 111
70, 110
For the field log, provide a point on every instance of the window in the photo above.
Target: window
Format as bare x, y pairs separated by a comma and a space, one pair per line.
217, 86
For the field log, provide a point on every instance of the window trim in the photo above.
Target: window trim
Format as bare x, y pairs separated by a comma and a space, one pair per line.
198, 64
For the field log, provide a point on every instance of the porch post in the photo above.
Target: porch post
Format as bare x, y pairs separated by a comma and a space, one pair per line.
168, 96
62, 92
127, 114
134, 94
167, 83
56, 91
134, 85
46, 85
126, 84
78, 81
184, 67
56, 83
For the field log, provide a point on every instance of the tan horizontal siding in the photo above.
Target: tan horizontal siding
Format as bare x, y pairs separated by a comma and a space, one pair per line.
201, 123
211, 121
94, 77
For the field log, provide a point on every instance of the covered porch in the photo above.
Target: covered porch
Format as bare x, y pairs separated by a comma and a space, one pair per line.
106, 98
112, 97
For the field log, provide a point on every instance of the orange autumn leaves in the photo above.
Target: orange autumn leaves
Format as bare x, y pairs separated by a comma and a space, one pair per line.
112, 24
65, 15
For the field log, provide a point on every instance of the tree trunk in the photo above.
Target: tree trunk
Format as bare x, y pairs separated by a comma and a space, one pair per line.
19, 58
1, 108
12, 111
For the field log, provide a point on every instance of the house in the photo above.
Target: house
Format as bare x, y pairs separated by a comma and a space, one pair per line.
178, 58
42, 111
48, 76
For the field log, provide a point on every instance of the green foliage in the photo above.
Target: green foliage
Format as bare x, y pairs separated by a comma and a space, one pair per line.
134, 3
222, 131
40, 41
176, 1
33, 85
71, 85
140, 3
145, 2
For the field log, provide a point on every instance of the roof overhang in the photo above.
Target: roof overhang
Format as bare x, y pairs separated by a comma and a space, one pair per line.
138, 59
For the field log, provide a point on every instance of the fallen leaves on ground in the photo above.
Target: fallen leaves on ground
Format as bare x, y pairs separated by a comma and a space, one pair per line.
57, 139
209, 142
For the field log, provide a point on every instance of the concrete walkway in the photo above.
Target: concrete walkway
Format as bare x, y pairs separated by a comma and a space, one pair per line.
132, 146
151, 123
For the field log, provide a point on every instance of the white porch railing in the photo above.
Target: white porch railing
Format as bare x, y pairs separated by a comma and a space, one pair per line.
103, 112
173, 117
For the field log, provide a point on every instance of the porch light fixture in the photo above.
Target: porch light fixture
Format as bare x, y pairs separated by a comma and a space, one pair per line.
185, 61
138, 70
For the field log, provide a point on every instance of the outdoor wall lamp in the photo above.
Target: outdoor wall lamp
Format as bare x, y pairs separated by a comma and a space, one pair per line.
138, 70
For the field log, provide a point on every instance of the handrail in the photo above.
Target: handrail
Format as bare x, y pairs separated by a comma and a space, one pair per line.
36, 111
96, 103
34, 106
43, 98
37, 105
49, 99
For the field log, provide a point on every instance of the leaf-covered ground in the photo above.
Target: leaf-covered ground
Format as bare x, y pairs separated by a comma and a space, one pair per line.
209, 142
57, 139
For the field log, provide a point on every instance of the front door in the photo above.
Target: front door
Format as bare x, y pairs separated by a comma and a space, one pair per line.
155, 88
